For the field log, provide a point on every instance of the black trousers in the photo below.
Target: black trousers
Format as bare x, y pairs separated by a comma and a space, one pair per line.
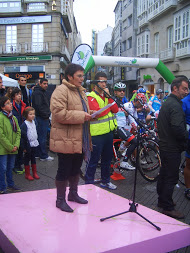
30, 156
68, 165
168, 178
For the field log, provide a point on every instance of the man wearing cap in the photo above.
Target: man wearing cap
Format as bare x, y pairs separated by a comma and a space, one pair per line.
166, 95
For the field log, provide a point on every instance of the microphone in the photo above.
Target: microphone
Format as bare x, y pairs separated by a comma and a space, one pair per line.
94, 81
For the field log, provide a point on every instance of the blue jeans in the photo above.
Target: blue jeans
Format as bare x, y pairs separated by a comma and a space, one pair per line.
102, 148
7, 163
42, 128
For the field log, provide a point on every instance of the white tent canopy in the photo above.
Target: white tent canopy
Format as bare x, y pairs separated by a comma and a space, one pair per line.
9, 82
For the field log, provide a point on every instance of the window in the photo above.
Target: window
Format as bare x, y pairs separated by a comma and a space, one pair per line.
138, 46
156, 42
3, 5
14, 4
170, 37
181, 31
185, 25
37, 38
129, 43
11, 38
177, 28
36, 7
124, 47
130, 20
143, 43
147, 44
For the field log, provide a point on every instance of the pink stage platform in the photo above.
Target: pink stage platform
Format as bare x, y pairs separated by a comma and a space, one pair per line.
30, 222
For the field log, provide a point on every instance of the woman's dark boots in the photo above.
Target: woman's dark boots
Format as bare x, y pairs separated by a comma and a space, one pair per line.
61, 202
73, 191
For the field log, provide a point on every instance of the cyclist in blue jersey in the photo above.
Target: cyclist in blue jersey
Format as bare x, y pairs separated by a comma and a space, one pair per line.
186, 109
155, 102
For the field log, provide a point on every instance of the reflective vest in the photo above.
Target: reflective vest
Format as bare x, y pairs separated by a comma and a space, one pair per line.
105, 124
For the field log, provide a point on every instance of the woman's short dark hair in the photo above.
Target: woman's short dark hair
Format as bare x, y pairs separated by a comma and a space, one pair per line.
27, 110
100, 74
71, 69
3, 100
14, 92
178, 81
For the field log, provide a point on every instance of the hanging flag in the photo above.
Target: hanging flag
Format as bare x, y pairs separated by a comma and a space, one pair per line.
83, 56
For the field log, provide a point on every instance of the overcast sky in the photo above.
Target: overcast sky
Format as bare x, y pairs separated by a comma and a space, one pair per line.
93, 15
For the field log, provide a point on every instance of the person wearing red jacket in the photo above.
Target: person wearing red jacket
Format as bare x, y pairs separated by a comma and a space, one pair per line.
18, 108
101, 130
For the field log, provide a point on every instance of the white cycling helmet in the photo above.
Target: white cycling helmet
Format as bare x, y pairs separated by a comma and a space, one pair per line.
119, 86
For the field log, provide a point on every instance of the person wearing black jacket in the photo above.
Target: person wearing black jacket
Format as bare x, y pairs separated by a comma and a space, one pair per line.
41, 105
24, 90
2, 88
173, 140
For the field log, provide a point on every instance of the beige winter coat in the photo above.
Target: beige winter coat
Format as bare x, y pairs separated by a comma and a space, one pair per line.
67, 119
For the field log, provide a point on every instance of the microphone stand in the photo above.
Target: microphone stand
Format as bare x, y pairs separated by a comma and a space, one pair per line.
133, 205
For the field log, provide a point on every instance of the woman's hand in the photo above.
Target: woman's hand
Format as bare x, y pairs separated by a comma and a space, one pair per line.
87, 116
14, 149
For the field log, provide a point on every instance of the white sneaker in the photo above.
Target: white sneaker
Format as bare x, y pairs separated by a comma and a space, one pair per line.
109, 186
49, 158
143, 162
126, 165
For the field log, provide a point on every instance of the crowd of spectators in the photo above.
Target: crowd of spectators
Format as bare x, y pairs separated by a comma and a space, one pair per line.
79, 133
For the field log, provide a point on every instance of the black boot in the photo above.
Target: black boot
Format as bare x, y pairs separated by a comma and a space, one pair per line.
73, 191
60, 202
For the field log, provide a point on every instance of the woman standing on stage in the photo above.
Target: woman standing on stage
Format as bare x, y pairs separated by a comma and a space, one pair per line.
70, 135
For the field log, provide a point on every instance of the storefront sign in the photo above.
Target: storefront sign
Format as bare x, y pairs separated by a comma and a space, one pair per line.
147, 77
29, 76
25, 20
27, 58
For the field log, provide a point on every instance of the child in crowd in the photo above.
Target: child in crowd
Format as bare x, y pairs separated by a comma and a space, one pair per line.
9, 144
9, 91
29, 142
18, 108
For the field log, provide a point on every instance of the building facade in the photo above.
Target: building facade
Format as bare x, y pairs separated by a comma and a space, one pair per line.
164, 33
37, 39
125, 31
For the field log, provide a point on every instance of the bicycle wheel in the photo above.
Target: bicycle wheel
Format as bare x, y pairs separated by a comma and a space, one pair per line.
149, 163
181, 171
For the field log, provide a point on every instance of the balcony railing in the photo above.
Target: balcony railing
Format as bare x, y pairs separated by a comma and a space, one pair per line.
36, 1
8, 8
153, 55
143, 21
36, 47
183, 52
160, 7
10, 48
167, 54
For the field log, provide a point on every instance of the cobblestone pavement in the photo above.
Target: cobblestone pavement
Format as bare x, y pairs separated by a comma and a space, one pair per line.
145, 191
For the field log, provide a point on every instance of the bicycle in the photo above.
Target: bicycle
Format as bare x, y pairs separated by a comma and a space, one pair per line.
149, 159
